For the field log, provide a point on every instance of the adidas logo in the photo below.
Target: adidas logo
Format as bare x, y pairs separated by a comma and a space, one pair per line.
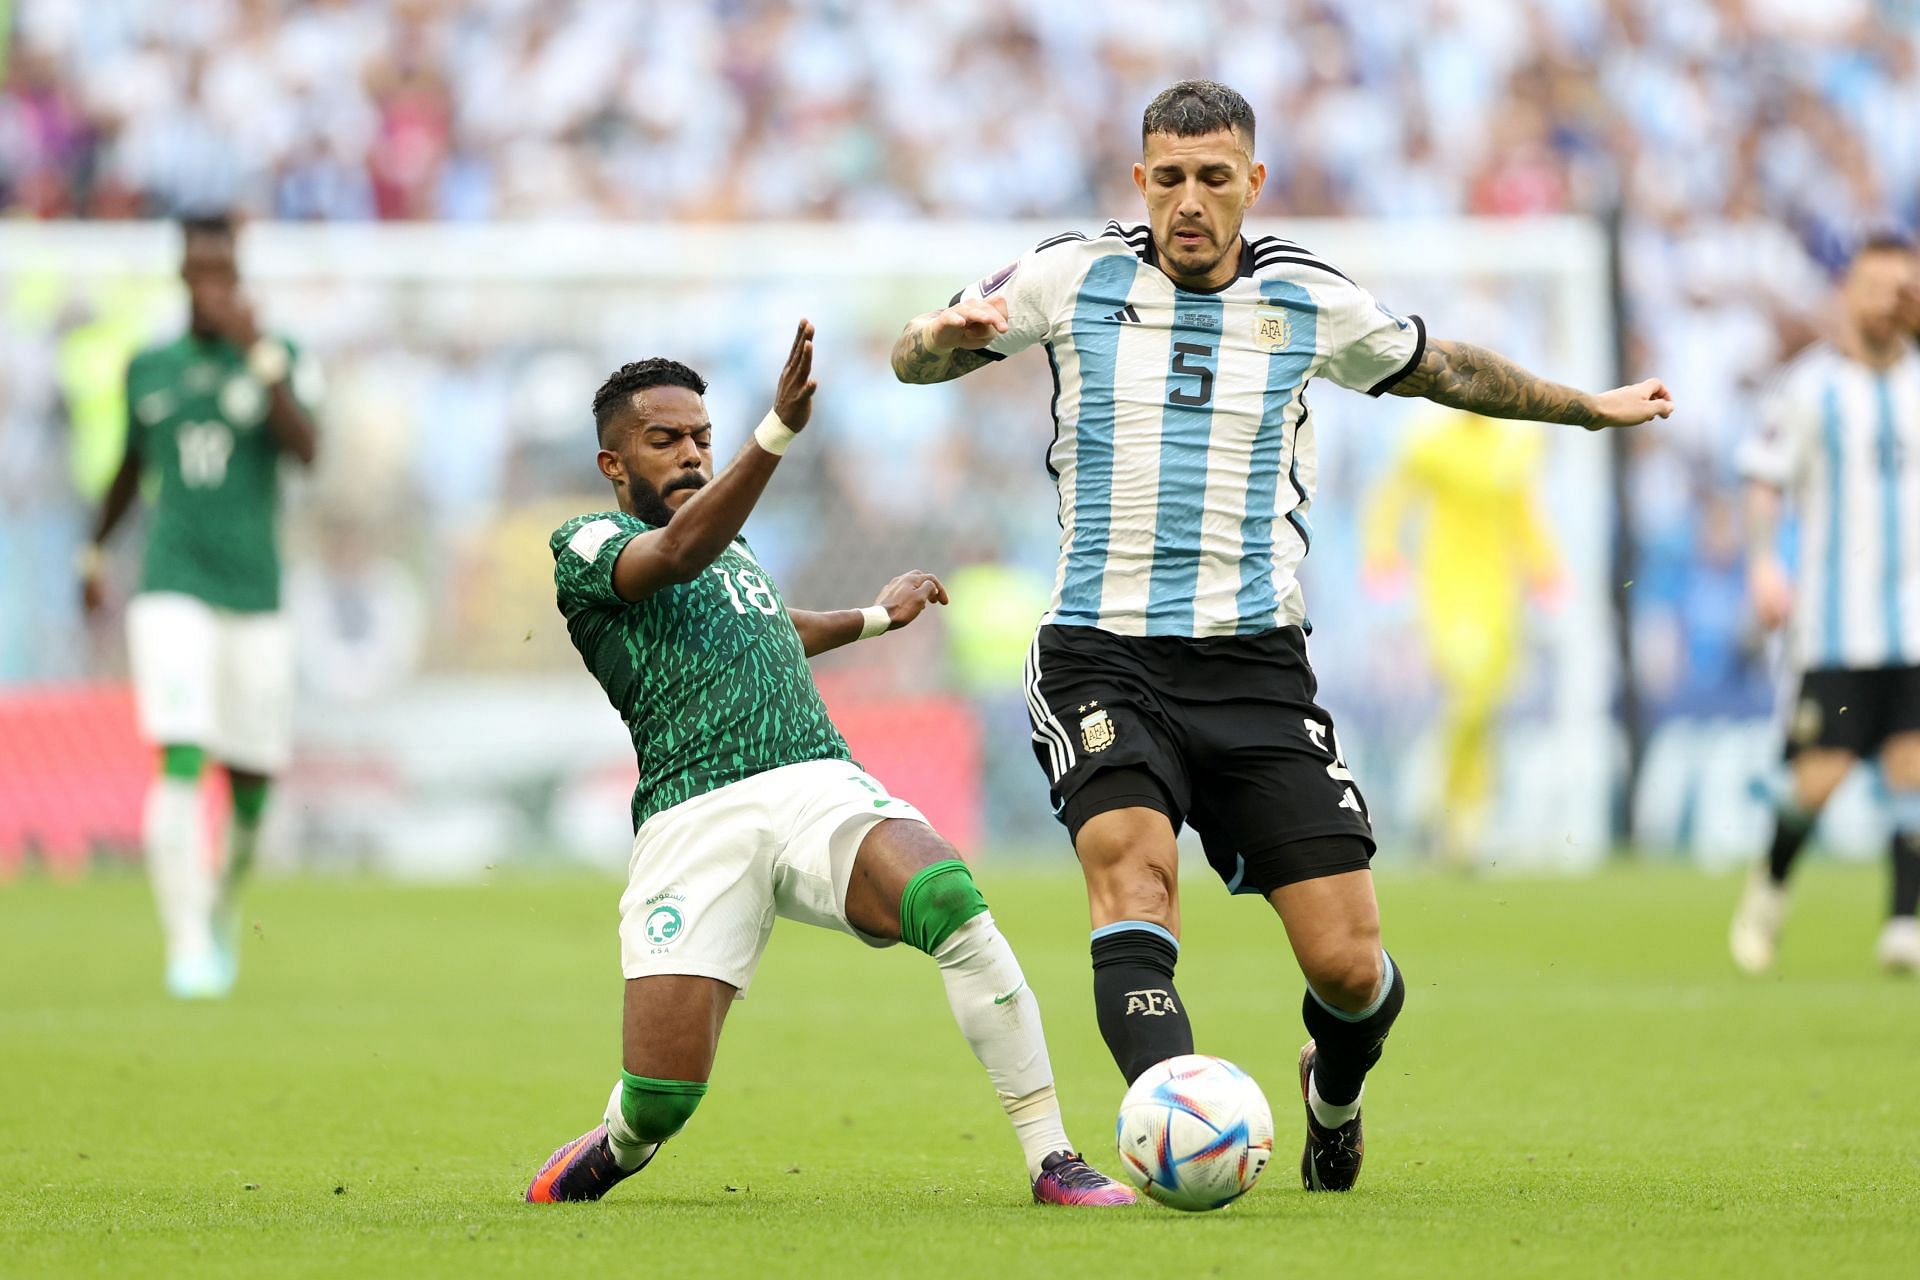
1125, 315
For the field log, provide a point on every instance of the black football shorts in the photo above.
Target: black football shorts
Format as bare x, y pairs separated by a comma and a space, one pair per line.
1853, 710
1220, 732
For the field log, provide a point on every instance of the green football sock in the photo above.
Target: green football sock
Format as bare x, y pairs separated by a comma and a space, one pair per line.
644, 1112
243, 835
937, 900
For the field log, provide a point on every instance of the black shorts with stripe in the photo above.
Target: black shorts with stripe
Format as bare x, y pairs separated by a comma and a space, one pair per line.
1220, 732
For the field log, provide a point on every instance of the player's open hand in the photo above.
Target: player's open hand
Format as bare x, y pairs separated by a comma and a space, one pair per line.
1772, 591
968, 324
908, 595
793, 398
1631, 406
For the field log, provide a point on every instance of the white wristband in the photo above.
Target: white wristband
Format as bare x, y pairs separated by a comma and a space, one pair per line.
878, 623
774, 435
268, 361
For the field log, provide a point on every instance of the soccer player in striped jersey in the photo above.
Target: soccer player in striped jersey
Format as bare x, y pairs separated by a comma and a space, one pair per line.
1839, 436
1169, 681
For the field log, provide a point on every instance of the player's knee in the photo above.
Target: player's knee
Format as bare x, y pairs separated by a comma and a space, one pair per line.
183, 762
1141, 894
1900, 762
936, 902
1131, 888
1817, 776
657, 1109
1349, 978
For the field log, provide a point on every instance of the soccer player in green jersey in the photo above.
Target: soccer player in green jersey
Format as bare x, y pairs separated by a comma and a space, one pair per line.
749, 804
209, 417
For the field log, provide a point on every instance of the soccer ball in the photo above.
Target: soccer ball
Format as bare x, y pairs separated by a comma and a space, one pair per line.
1194, 1132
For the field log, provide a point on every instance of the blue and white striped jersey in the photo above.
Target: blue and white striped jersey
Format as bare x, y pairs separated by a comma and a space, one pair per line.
1843, 440
1183, 446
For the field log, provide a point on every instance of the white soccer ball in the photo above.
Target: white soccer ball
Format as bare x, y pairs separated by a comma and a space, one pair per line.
1194, 1132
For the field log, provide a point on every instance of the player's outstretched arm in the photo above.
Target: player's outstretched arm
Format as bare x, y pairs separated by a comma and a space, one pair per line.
942, 345
1463, 376
709, 521
903, 600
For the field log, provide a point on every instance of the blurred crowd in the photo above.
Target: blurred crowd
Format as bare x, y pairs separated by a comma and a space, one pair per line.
1744, 144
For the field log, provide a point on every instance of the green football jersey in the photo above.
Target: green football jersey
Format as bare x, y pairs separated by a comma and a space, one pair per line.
199, 421
709, 675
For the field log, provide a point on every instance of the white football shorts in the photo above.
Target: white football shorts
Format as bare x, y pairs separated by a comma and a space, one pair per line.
211, 678
708, 876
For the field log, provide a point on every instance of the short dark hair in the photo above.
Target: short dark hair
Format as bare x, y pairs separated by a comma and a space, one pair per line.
208, 224
1195, 107
654, 371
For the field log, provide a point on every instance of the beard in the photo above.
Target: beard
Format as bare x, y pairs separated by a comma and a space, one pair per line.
1197, 264
650, 504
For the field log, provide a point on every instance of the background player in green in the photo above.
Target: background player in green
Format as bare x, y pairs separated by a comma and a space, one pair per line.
209, 416
749, 805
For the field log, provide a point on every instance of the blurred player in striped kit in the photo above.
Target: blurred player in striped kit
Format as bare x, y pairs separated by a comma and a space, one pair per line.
1839, 440
1169, 680
209, 417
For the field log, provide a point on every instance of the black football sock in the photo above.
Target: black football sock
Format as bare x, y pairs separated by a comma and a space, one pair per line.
1790, 831
1142, 1019
1346, 1045
1906, 873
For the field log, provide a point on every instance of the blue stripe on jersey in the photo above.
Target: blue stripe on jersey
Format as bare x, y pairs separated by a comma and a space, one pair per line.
1830, 434
1257, 605
1096, 339
1890, 520
1186, 434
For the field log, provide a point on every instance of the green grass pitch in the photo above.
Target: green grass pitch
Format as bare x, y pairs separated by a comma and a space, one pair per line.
1580, 1086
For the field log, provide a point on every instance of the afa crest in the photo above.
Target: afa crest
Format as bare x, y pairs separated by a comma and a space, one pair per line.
1096, 730
1272, 328
1808, 719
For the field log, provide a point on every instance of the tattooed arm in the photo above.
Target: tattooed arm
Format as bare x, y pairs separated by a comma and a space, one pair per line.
944, 344
1463, 376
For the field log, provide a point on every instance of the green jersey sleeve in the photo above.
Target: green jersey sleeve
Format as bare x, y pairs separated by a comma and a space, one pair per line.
584, 549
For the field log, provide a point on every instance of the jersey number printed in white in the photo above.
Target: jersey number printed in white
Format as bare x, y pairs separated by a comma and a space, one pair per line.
1338, 770
753, 587
204, 450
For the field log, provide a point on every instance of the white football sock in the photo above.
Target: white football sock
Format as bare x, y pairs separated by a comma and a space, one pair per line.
1325, 1112
629, 1150
1000, 1017
175, 836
